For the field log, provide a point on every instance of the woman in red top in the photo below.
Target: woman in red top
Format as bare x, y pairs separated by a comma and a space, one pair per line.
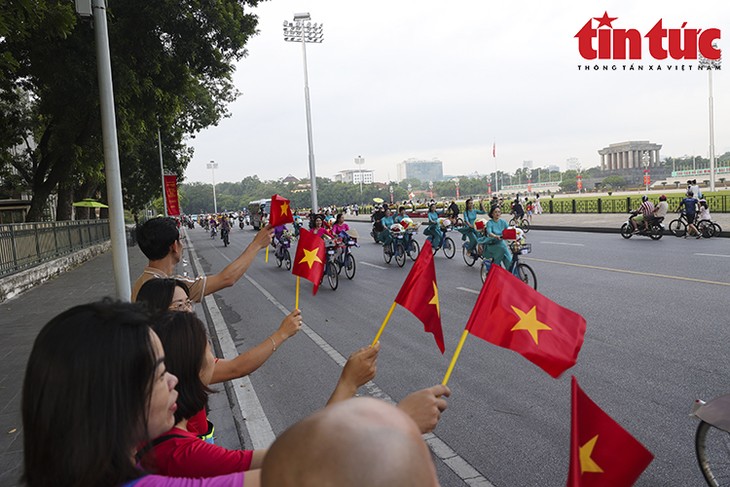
179, 452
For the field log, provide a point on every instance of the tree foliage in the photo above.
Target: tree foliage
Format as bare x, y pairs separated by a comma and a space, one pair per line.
172, 66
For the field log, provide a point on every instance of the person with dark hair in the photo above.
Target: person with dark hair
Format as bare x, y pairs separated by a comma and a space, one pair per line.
356, 443
162, 295
494, 246
690, 209
95, 387
159, 240
179, 452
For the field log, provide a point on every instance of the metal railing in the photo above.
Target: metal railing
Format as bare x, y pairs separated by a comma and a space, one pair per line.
25, 245
716, 203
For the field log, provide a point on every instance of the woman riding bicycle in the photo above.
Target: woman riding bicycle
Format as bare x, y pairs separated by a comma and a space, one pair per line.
494, 246
469, 234
384, 237
340, 228
433, 231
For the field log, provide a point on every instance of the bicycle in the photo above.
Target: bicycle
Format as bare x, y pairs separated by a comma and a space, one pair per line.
521, 271
708, 228
446, 244
410, 245
224, 237
522, 222
395, 248
330, 264
712, 439
470, 248
678, 226
281, 254
345, 259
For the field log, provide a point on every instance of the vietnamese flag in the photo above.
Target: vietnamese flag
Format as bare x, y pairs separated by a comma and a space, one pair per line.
602, 453
420, 295
309, 258
280, 211
511, 314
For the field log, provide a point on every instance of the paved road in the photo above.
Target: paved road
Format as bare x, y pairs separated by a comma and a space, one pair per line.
656, 339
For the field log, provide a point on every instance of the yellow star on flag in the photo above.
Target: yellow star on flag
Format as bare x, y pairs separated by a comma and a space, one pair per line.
529, 322
310, 257
435, 299
285, 209
586, 462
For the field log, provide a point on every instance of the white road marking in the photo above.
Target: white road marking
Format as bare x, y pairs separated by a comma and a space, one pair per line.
467, 290
564, 243
713, 255
372, 265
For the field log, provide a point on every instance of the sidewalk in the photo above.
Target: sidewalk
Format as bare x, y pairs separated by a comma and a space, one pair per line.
22, 318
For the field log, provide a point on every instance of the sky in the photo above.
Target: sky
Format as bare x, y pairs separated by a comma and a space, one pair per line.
429, 79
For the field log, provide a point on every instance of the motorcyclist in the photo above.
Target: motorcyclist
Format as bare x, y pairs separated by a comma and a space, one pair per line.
643, 213
661, 209
225, 229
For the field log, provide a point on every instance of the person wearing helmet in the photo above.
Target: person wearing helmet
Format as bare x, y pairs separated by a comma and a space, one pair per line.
661, 209
644, 212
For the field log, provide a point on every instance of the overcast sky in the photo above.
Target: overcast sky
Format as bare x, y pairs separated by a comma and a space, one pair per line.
427, 79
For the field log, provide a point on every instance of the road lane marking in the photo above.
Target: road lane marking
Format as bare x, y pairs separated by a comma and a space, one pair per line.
626, 271
713, 255
373, 265
258, 426
564, 243
440, 448
467, 290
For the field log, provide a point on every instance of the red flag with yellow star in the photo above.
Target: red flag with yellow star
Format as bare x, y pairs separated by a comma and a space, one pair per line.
309, 258
602, 453
280, 211
511, 314
420, 295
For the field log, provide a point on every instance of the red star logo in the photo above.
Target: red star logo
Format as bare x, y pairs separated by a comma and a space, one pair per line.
605, 20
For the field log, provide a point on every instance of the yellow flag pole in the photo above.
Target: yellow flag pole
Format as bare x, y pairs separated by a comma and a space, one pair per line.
296, 295
266, 259
382, 327
456, 356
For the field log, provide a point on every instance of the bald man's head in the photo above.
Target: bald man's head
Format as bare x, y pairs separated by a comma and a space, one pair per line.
358, 442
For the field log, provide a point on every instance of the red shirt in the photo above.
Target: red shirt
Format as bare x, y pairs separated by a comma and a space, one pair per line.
198, 424
186, 455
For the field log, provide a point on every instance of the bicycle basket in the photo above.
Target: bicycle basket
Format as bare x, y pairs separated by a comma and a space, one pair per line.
518, 248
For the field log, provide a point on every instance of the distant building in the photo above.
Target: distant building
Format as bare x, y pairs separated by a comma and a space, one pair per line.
353, 176
629, 155
422, 170
290, 180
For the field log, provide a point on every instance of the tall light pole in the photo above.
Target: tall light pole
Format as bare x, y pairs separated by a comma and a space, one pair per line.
360, 161
710, 65
212, 165
302, 30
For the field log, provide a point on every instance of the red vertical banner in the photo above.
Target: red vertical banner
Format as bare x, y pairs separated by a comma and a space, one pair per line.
579, 182
173, 203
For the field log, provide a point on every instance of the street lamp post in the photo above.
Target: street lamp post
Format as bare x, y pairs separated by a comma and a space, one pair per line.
302, 30
360, 161
212, 165
711, 64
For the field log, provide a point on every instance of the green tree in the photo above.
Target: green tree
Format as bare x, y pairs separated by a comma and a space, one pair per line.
614, 181
172, 67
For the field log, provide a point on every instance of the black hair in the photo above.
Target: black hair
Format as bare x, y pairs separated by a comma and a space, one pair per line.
155, 237
86, 392
337, 218
184, 339
491, 210
401, 208
157, 293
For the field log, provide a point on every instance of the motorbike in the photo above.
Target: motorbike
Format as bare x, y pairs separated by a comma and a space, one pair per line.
376, 230
711, 439
655, 228
224, 236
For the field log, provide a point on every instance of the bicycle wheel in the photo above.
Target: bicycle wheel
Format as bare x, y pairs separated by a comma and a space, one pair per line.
449, 248
626, 230
706, 228
414, 250
512, 223
525, 274
469, 257
712, 446
400, 254
387, 254
332, 277
350, 266
678, 228
486, 264
287, 259
525, 226
717, 228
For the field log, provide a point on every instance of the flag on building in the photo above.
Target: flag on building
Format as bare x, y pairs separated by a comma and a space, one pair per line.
309, 258
419, 294
280, 211
511, 314
602, 453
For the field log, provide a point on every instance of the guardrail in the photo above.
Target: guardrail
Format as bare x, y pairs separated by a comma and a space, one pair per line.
717, 204
26, 245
